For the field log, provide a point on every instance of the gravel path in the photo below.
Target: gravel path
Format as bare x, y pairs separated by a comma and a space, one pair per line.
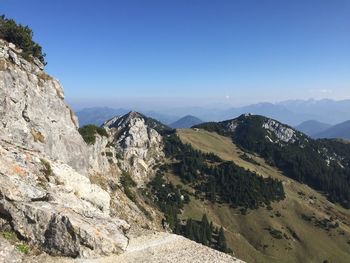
158, 248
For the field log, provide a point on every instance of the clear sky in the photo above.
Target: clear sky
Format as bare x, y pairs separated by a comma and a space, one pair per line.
192, 51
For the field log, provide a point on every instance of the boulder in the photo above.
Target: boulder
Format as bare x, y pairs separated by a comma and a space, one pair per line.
51, 206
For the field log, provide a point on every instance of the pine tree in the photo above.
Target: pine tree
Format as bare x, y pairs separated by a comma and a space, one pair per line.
205, 231
222, 246
211, 230
177, 228
189, 229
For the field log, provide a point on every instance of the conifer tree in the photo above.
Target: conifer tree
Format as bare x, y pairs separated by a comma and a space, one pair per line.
189, 229
205, 230
222, 246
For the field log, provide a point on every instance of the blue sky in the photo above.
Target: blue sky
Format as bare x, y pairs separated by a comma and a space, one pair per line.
192, 51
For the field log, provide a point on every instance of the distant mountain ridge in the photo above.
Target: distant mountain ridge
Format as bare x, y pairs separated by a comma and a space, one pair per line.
98, 115
318, 130
291, 112
340, 131
186, 122
312, 127
324, 110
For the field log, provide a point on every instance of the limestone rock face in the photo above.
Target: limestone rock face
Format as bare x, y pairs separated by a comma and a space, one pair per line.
33, 112
46, 198
138, 145
283, 133
54, 208
102, 156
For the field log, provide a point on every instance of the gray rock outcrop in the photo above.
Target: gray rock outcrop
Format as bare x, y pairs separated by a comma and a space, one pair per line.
102, 156
46, 198
33, 112
138, 146
283, 133
51, 206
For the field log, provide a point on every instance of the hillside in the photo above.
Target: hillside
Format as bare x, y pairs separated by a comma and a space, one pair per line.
339, 131
288, 231
186, 122
312, 127
321, 164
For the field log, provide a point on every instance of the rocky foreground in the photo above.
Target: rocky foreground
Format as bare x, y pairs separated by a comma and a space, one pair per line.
153, 247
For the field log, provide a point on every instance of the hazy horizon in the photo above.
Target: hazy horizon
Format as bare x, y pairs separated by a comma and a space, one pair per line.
172, 103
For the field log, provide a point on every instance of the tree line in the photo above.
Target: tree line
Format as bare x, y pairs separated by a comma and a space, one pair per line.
220, 180
171, 200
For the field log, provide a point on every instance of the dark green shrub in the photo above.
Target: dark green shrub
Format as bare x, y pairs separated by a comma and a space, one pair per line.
275, 233
127, 182
22, 37
89, 131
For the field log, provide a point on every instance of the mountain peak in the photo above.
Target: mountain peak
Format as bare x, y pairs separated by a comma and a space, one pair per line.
341, 130
123, 120
186, 122
312, 127
267, 128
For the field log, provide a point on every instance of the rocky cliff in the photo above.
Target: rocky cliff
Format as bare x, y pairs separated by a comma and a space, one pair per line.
33, 112
46, 198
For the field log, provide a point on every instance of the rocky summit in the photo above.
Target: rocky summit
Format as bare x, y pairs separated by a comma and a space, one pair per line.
63, 198
137, 143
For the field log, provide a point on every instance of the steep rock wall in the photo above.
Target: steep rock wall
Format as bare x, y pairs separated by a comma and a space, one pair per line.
33, 112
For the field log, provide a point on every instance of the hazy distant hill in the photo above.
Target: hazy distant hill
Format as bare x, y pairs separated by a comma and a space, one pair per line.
312, 127
325, 110
341, 130
278, 112
291, 112
186, 122
98, 115
164, 118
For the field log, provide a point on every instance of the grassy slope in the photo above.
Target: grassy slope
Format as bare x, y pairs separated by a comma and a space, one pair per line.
247, 234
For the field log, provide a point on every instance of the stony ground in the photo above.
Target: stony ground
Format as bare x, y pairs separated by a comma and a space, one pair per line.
156, 248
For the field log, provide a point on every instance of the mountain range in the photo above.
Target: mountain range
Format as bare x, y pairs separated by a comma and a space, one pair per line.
312, 127
291, 112
316, 129
341, 131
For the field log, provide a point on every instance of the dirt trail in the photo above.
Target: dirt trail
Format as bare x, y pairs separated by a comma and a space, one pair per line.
156, 248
